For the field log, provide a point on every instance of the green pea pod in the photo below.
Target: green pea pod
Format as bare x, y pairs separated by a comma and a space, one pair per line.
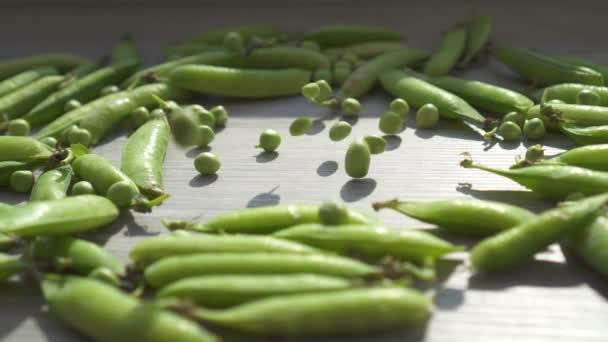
462, 216
594, 157
216, 37
10, 265
479, 29
518, 245
364, 50
143, 156
114, 316
20, 101
188, 49
22, 79
7, 168
586, 135
125, 51
601, 68
156, 248
590, 243
362, 80
61, 62
568, 92
52, 184
330, 313
449, 52
59, 217
543, 70
418, 92
580, 115
23, 149
340, 35
248, 83
83, 70
83, 89
171, 269
280, 58
370, 241
7, 241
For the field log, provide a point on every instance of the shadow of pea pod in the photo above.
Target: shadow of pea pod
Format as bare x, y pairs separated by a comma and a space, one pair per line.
327, 168
356, 189
200, 181
265, 199
265, 157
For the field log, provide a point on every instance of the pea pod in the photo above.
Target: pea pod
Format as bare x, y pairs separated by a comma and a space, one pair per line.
216, 37
418, 92
20, 101
61, 62
568, 92
114, 316
340, 35
10, 265
228, 290
83, 70
125, 51
462, 216
586, 135
188, 49
601, 68
448, 54
364, 50
7, 168
23, 149
479, 29
24, 78
590, 243
580, 115
153, 249
52, 184
592, 157
171, 269
518, 245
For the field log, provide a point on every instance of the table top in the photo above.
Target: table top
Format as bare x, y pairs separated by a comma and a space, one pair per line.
547, 300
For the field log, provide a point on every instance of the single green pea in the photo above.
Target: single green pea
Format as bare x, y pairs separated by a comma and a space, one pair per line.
390, 123
401, 107
311, 91
65, 133
518, 118
300, 126
427, 116
18, 127
340, 130
22, 181
351, 107
534, 129
376, 144
83, 188
111, 89
71, 105
510, 131
207, 163
269, 140
587, 97
221, 115
158, 113
357, 160
333, 213
325, 91
49, 141
105, 275
140, 116
341, 74
79, 136
233, 41
310, 45
204, 116
323, 75
206, 135
122, 193
535, 153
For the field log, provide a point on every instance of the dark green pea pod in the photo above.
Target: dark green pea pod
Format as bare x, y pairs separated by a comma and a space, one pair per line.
125, 51
462, 216
568, 92
450, 51
83, 70
52, 184
10, 265
341, 35
479, 29
281, 57
518, 245
364, 50
7, 168
216, 36
24, 149
184, 50
370, 241
22, 79
601, 68
590, 243
20, 101
585, 135
61, 62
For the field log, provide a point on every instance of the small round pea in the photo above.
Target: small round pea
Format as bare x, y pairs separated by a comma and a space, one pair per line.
22, 181
79, 136
325, 91
310, 45
269, 140
535, 153
376, 144
49, 141
18, 127
534, 129
300, 126
111, 89
206, 136
427, 116
510, 131
66, 133
333, 213
71, 105
233, 41
390, 123
207, 163
323, 75
357, 160
350, 107
401, 107
139, 116
311, 91
341, 74
205, 117
516, 117
340, 130
83, 188
221, 115
105, 275
158, 113
587, 97
122, 193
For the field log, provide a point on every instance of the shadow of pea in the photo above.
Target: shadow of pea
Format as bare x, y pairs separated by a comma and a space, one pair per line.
327, 168
357, 189
317, 127
265, 157
392, 142
192, 153
264, 199
200, 181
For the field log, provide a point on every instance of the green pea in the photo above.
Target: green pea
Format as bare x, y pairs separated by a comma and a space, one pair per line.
269, 140
311, 91
233, 41
207, 163
300, 126
204, 116
140, 116
376, 144
325, 91
401, 107
82, 188
333, 213
340, 130
390, 123
18, 127
323, 74
357, 160
71, 105
122, 193
535, 153
105, 275
510, 131
427, 116
221, 115
534, 129
518, 118
79, 136
206, 136
22, 181
341, 74
158, 113
351, 107
49, 141
587, 97
111, 89
65, 134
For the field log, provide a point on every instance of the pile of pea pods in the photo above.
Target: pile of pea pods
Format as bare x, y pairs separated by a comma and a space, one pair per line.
288, 270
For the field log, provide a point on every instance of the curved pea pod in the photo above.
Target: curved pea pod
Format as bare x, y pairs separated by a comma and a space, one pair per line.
188, 49
52, 184
449, 52
20, 101
114, 316
340, 35
216, 37
462, 216
80, 256
580, 115
125, 51
281, 57
156, 248
10, 265
171, 269
568, 92
8, 167
418, 92
518, 245
586, 135
552, 181
594, 157
220, 291
249, 83
364, 50
374, 309
362, 80
479, 29
265, 220
61, 62
590, 243
370, 241
543, 70
143, 156
24, 78
83, 70
24, 149
59, 217
83, 89
601, 68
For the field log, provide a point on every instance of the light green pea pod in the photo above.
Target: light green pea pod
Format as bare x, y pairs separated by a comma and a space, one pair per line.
593, 157
20, 101
590, 243
61, 62
52, 184
448, 54
10, 265
568, 93
24, 78
479, 29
